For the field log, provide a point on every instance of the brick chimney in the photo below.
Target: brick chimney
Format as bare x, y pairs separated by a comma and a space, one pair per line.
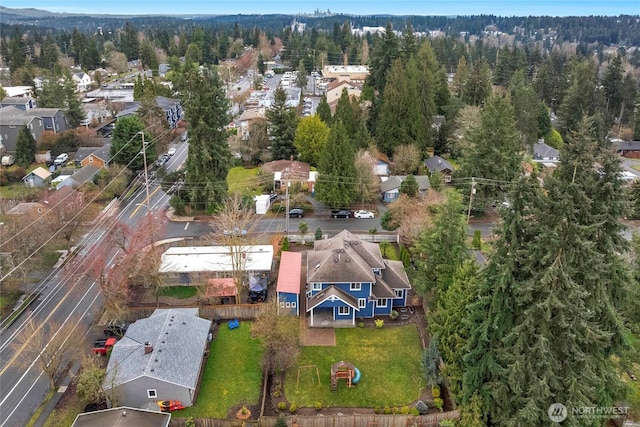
148, 348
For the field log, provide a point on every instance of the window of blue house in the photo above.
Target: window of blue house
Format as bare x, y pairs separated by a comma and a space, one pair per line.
381, 303
344, 310
399, 293
317, 286
355, 286
362, 302
376, 271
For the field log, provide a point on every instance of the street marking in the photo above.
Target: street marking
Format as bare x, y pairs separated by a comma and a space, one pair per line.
186, 226
135, 211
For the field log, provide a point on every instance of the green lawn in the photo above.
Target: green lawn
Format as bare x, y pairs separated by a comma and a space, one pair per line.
18, 191
244, 181
388, 359
232, 376
180, 292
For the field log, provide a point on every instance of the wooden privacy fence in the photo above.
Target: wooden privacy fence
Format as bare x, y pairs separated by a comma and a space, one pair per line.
212, 312
353, 420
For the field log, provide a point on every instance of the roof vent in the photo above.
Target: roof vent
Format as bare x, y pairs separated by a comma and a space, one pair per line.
348, 259
317, 266
124, 413
336, 259
148, 348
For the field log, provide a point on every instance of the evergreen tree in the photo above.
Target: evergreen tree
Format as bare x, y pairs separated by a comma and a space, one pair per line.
433, 84
72, 109
495, 153
581, 98
126, 144
25, 148
336, 170
129, 43
409, 45
385, 51
612, 83
282, 126
442, 247
324, 111
478, 86
209, 160
402, 117
526, 107
448, 321
460, 78
409, 186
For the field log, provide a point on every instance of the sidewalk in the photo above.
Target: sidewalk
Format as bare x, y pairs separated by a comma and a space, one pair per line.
50, 406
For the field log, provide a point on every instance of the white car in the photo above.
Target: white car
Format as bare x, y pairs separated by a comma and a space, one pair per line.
363, 214
171, 151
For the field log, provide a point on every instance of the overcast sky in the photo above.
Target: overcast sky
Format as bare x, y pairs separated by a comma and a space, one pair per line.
356, 7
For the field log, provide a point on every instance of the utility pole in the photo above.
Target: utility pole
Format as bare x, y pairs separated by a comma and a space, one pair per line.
286, 198
146, 175
473, 191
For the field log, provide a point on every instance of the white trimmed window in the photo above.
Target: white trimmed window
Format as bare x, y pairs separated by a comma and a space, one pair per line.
344, 310
152, 393
355, 287
399, 293
287, 304
282, 305
293, 304
317, 286
381, 303
362, 302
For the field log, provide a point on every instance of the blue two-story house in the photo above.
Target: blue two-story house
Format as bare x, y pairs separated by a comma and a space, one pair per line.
347, 279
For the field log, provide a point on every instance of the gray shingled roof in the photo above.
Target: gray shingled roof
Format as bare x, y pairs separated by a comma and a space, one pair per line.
103, 153
395, 181
41, 112
114, 418
179, 338
543, 151
629, 146
437, 164
84, 174
395, 275
14, 117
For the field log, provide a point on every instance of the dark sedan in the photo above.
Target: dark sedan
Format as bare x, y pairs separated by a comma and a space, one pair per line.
296, 213
341, 214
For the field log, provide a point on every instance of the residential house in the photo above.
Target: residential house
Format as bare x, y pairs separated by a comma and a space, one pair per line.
288, 285
544, 153
96, 156
39, 177
345, 72
347, 279
171, 107
186, 265
163, 69
23, 103
18, 91
82, 81
249, 116
437, 122
83, 176
438, 164
123, 416
12, 120
335, 88
629, 149
390, 188
53, 119
159, 358
290, 172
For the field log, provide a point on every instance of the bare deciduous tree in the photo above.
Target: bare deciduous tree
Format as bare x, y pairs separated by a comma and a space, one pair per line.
279, 333
406, 159
50, 348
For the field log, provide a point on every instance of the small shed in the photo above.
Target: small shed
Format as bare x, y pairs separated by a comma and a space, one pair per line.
37, 177
262, 204
288, 286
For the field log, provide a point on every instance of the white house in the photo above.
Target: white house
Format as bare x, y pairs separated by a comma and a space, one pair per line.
82, 81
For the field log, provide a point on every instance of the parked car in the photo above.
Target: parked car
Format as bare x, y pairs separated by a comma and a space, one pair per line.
171, 151
102, 346
272, 197
343, 213
115, 328
61, 159
363, 214
162, 160
296, 213
8, 160
236, 232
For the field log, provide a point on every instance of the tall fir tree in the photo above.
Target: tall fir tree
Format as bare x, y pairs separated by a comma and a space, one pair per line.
282, 126
25, 148
324, 111
126, 144
209, 160
581, 97
337, 174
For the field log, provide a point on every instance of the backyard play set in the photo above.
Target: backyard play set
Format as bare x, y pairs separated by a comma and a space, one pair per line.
344, 370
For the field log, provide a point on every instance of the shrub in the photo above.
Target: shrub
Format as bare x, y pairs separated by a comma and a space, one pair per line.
281, 422
394, 410
394, 315
318, 234
405, 257
404, 410
177, 204
293, 408
282, 405
414, 411
379, 323
376, 410
276, 393
421, 407
439, 403
447, 423
387, 410
318, 406
285, 244
360, 324
476, 243
435, 392
189, 422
